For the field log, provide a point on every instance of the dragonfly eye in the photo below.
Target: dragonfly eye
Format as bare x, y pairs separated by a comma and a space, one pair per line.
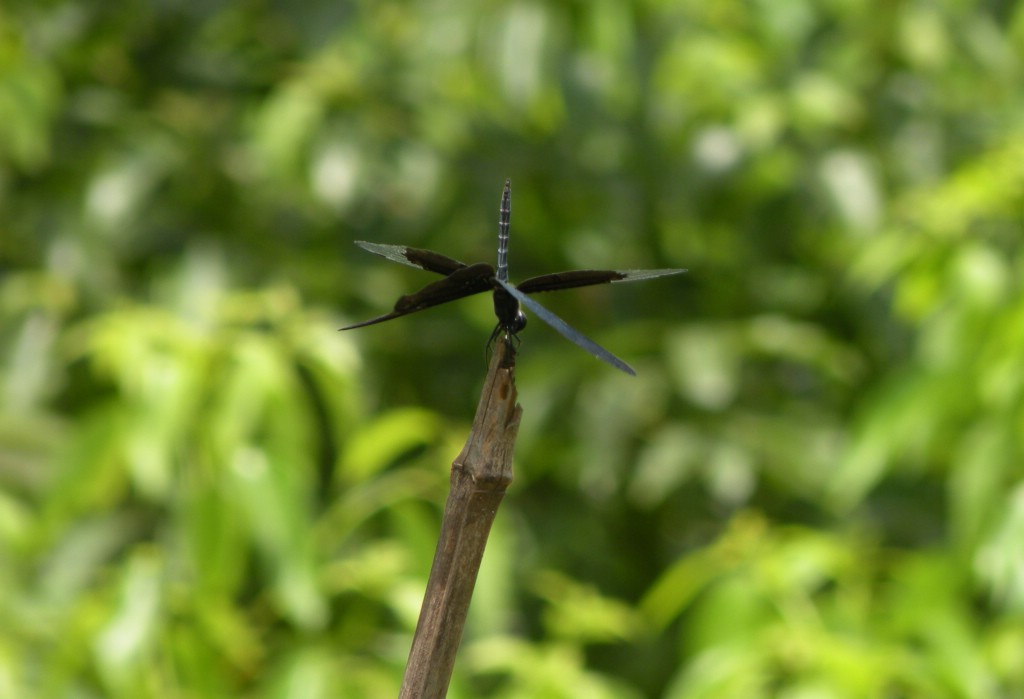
518, 324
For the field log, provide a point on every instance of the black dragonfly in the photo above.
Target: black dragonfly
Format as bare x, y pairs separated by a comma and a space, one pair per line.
462, 280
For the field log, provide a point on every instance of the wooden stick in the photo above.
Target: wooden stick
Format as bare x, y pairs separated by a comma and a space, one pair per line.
479, 477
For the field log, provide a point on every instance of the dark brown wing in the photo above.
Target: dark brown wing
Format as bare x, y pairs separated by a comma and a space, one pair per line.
414, 257
589, 277
463, 282
567, 331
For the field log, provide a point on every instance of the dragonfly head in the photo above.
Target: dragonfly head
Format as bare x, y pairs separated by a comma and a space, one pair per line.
517, 324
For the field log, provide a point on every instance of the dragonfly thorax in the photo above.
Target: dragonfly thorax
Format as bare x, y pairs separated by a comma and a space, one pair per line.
511, 318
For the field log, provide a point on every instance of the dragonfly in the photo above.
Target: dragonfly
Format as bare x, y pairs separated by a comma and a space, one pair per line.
461, 280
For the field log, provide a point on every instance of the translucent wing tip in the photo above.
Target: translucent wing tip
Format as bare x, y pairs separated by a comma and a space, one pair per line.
379, 248
632, 275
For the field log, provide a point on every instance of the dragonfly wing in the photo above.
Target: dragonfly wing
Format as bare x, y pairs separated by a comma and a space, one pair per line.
566, 331
414, 257
635, 275
589, 277
374, 321
463, 282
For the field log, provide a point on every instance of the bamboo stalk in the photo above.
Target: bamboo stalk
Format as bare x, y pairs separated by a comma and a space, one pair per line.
479, 477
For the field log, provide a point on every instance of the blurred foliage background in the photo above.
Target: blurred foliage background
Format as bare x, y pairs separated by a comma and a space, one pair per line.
814, 487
